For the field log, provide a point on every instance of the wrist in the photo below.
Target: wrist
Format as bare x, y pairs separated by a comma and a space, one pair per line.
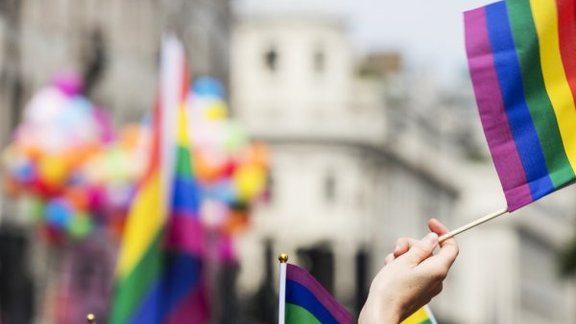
379, 312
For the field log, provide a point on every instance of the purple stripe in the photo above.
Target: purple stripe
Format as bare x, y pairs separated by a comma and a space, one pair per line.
490, 103
305, 279
186, 234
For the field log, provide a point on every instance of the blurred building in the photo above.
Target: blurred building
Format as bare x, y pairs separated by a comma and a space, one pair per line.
363, 152
113, 43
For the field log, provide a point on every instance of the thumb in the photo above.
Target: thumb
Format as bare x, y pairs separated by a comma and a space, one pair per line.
422, 249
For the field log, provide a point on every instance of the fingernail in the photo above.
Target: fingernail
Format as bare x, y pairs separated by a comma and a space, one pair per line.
431, 238
396, 247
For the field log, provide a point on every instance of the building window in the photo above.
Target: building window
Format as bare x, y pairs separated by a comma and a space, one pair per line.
271, 59
319, 60
330, 187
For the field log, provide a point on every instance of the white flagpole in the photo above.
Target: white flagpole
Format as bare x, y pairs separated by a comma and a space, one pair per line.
430, 315
283, 258
472, 224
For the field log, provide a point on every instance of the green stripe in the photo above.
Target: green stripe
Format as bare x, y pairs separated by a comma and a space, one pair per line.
298, 315
130, 290
184, 162
539, 104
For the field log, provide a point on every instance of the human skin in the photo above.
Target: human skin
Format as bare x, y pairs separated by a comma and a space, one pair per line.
411, 277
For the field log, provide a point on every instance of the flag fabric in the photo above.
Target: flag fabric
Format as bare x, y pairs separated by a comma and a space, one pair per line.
184, 287
520, 56
422, 316
306, 301
158, 269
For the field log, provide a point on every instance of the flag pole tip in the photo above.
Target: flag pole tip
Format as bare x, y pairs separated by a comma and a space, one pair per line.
283, 258
90, 318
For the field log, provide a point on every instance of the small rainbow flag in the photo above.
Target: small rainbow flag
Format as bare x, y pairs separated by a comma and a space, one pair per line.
523, 69
422, 316
304, 301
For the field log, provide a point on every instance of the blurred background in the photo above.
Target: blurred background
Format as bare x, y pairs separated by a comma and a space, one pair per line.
370, 126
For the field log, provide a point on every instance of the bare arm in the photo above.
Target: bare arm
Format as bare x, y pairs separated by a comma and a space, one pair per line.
412, 276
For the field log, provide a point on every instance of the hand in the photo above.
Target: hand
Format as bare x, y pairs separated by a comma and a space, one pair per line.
412, 276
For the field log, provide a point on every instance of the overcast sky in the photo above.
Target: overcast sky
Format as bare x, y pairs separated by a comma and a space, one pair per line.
428, 32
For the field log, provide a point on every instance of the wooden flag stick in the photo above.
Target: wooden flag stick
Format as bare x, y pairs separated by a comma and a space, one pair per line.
472, 224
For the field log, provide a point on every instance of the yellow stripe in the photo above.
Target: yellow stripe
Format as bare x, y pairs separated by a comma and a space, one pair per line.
418, 317
145, 219
546, 22
183, 135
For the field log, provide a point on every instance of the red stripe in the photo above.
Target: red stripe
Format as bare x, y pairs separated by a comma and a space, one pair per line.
185, 81
155, 146
567, 34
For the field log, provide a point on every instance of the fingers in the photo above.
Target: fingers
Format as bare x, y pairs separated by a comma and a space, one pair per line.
422, 249
448, 248
448, 252
439, 228
402, 246
389, 258
441, 262
435, 226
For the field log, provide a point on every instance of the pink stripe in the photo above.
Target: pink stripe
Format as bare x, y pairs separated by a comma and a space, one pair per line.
186, 234
492, 113
305, 279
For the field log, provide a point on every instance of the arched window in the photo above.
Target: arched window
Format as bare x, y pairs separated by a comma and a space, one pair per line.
271, 59
330, 187
319, 60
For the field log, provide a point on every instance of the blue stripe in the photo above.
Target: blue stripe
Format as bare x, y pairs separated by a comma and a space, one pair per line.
148, 312
298, 295
510, 80
186, 196
180, 279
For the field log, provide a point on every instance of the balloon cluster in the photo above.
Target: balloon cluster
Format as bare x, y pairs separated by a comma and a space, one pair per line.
75, 174
66, 163
231, 170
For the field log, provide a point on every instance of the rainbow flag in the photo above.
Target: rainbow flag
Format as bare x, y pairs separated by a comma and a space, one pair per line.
422, 316
521, 61
184, 289
306, 301
158, 269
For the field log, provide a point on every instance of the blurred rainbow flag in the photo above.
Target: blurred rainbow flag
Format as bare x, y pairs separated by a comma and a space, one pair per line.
422, 316
159, 268
304, 301
522, 65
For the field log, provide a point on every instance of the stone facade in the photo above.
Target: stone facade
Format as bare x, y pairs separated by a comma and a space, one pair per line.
363, 153
114, 43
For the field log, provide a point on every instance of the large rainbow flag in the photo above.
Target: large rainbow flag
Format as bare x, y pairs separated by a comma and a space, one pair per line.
159, 267
523, 69
183, 285
306, 301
